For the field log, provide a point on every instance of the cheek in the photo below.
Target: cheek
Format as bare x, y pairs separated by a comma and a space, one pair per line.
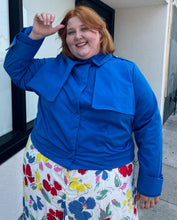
96, 42
69, 41
96, 39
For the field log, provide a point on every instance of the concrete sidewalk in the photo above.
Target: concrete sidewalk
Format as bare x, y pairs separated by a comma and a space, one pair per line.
167, 207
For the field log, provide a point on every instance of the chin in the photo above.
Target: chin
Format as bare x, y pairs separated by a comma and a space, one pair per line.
83, 57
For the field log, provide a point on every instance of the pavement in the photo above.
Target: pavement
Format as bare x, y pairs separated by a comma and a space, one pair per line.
167, 207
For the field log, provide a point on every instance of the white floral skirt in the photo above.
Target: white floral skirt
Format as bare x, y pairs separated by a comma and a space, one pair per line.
52, 192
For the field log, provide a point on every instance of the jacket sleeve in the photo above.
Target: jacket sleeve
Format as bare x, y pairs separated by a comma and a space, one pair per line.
148, 136
19, 61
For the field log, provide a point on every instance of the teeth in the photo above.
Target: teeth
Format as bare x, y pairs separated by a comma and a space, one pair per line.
81, 44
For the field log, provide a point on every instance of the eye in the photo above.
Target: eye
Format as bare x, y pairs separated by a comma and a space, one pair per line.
84, 29
70, 32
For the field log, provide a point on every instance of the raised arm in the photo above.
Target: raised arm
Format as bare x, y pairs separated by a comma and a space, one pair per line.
19, 62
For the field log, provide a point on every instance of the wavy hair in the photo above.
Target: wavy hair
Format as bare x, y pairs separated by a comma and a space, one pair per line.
93, 22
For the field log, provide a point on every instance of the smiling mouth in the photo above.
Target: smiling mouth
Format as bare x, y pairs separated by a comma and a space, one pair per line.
81, 44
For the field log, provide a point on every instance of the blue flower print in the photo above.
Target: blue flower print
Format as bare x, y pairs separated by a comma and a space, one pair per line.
63, 204
104, 174
78, 208
30, 158
37, 205
26, 212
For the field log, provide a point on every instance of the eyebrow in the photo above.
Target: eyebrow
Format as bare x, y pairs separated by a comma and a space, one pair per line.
68, 29
71, 28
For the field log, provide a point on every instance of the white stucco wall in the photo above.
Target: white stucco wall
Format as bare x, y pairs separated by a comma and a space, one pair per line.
11, 174
11, 188
141, 36
51, 45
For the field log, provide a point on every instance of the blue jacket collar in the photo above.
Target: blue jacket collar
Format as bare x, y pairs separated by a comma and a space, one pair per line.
49, 80
98, 59
101, 59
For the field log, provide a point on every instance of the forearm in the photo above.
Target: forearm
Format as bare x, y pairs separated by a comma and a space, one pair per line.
149, 142
19, 62
147, 128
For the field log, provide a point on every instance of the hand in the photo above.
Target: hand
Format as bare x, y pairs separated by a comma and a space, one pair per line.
42, 26
147, 202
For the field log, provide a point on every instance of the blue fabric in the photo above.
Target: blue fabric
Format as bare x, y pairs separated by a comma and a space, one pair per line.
88, 110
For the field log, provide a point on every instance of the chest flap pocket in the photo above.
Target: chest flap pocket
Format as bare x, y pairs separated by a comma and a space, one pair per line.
114, 93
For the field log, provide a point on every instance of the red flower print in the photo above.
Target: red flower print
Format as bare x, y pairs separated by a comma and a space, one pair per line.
126, 170
28, 174
54, 215
135, 211
49, 188
135, 201
82, 172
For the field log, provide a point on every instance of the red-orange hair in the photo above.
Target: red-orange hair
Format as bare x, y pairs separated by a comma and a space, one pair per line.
93, 22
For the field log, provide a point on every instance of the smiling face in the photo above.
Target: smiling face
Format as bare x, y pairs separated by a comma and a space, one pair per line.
82, 42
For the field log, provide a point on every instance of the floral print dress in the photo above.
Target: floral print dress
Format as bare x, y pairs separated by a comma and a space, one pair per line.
52, 192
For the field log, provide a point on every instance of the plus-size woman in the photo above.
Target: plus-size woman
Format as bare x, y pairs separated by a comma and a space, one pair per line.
79, 159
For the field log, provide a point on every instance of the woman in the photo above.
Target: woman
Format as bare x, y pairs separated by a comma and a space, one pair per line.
79, 159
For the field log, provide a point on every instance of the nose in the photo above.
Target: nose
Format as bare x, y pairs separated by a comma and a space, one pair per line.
78, 35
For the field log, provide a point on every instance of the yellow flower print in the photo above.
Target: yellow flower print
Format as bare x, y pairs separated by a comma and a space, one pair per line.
38, 178
128, 194
76, 184
125, 202
40, 156
27, 144
130, 205
26, 197
128, 201
67, 174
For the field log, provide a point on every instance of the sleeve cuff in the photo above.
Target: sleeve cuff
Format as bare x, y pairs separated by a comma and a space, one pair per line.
23, 46
149, 186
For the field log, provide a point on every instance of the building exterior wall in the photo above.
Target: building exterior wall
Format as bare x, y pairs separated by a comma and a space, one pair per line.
141, 36
11, 188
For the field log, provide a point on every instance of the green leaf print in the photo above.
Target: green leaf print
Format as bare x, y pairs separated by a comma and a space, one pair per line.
102, 214
34, 187
102, 194
32, 218
105, 214
116, 203
31, 146
108, 212
126, 218
43, 218
117, 181
64, 197
45, 196
97, 185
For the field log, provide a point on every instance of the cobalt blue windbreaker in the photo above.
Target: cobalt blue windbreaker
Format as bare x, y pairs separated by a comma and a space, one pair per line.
88, 110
